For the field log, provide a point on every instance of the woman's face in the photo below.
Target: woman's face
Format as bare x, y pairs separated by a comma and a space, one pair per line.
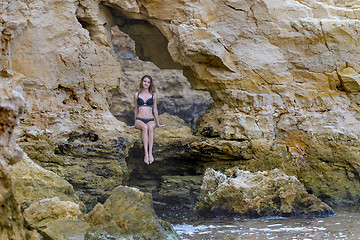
146, 83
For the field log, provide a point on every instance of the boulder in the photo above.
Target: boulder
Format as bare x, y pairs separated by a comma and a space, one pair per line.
32, 183
127, 213
267, 193
55, 219
66, 229
42, 213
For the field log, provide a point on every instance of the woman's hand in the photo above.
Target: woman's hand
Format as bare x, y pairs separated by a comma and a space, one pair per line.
131, 127
161, 125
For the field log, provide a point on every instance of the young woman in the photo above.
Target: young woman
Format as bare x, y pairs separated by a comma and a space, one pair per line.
146, 115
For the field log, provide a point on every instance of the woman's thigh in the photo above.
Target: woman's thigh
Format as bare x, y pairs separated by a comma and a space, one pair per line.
151, 124
140, 124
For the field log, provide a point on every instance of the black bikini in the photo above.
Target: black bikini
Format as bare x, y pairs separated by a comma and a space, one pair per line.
145, 120
142, 103
148, 103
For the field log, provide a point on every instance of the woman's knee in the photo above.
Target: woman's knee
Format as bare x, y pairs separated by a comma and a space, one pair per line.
150, 128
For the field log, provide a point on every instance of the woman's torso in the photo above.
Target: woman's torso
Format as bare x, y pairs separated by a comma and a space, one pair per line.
145, 105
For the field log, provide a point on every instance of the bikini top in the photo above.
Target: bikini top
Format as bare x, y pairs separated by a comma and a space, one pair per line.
148, 103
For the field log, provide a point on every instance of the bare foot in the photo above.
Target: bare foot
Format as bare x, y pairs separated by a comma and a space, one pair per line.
151, 159
146, 159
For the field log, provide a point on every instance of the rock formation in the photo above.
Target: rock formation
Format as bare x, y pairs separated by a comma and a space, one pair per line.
128, 214
284, 78
46, 211
60, 66
32, 183
11, 220
259, 194
49, 204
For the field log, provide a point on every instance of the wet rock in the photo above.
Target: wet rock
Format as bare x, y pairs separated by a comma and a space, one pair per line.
127, 213
242, 193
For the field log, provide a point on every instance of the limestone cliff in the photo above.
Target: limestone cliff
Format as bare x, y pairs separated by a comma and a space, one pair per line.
283, 75
66, 74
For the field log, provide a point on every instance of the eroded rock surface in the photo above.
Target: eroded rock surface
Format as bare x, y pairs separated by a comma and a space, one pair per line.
284, 76
56, 219
11, 106
32, 183
128, 213
66, 73
43, 212
259, 194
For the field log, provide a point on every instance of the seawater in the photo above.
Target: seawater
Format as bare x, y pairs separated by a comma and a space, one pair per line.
344, 224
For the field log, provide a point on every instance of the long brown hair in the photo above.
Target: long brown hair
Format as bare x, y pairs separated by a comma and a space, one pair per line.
152, 89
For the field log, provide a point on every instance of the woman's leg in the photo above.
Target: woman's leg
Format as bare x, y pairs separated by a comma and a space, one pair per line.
151, 126
145, 138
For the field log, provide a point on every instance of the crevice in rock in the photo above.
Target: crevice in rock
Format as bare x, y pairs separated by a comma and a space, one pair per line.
324, 37
233, 7
253, 15
83, 23
340, 86
69, 92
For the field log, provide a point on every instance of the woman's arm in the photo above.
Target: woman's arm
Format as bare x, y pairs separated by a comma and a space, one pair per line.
155, 111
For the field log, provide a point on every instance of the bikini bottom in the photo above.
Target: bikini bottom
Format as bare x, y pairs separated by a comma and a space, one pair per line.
145, 120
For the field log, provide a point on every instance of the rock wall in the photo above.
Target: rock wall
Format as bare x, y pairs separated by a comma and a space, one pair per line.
284, 78
60, 67
11, 220
283, 75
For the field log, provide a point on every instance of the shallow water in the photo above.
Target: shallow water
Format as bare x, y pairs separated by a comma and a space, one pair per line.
345, 224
